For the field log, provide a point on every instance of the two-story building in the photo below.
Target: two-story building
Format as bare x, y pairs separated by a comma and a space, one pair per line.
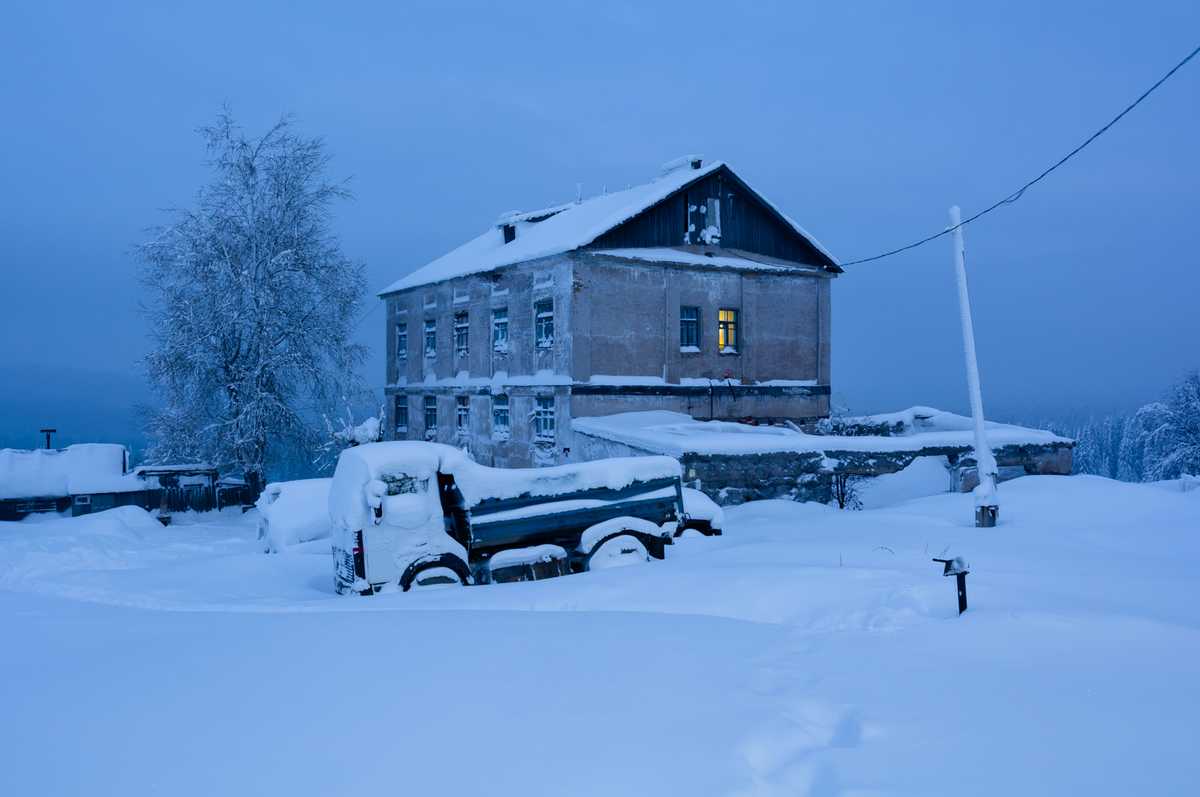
691, 293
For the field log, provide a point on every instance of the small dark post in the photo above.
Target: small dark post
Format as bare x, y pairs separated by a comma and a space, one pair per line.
957, 567
48, 432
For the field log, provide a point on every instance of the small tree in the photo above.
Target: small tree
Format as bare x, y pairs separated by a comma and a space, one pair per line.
252, 308
846, 490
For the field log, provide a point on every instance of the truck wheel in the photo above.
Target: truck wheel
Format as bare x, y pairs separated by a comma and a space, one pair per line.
436, 571
616, 551
435, 577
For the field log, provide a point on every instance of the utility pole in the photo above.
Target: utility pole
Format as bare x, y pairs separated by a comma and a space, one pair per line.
48, 432
987, 503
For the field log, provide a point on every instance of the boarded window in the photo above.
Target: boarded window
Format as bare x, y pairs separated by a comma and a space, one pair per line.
401, 341
543, 418
462, 329
544, 314
431, 338
401, 416
500, 417
500, 330
462, 415
689, 328
727, 331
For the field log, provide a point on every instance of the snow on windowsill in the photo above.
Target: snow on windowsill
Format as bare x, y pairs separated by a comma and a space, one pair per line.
689, 349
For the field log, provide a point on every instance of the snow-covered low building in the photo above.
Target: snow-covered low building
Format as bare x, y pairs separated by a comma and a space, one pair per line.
92, 477
735, 462
691, 294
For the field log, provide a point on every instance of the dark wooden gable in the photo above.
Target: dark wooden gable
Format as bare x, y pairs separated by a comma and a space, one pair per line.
747, 223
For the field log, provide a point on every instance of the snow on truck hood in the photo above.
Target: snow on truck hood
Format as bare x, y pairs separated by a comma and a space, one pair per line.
360, 465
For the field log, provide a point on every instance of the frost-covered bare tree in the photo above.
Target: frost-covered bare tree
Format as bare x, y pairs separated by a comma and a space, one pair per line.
253, 306
1173, 449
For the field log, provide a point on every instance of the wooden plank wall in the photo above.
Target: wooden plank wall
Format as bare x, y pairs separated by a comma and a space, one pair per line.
745, 223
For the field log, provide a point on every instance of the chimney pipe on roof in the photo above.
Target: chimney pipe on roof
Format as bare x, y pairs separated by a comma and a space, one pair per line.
510, 233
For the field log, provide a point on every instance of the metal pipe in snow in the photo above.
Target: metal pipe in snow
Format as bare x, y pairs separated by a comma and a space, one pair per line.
985, 494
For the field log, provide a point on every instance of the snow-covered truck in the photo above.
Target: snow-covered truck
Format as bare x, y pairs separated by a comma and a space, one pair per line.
408, 514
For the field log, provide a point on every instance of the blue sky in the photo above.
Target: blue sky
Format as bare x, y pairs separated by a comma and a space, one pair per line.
863, 121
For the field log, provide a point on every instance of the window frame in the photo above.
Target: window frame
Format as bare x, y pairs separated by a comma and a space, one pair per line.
543, 419
462, 334
402, 341
462, 416
500, 330
401, 414
543, 323
694, 325
431, 415
430, 337
726, 326
501, 412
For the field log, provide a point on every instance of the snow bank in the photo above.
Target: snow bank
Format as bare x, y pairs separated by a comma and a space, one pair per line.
75, 470
699, 506
526, 556
293, 512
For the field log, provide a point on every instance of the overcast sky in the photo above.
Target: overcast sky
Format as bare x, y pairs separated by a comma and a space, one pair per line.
863, 121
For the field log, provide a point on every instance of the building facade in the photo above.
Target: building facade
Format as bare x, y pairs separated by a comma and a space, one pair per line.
692, 294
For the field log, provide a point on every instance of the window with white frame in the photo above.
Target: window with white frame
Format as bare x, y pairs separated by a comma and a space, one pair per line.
462, 416
431, 338
401, 416
544, 319
430, 417
401, 341
543, 418
500, 330
500, 417
462, 329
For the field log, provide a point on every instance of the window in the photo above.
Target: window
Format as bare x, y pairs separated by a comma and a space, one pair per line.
462, 416
543, 418
401, 341
500, 417
431, 338
401, 415
710, 215
689, 329
544, 314
500, 330
462, 329
727, 331
430, 417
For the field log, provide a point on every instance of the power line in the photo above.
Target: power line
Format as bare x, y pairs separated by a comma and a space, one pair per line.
1015, 196
364, 318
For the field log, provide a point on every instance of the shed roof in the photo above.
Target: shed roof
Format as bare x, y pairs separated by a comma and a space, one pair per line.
568, 227
75, 470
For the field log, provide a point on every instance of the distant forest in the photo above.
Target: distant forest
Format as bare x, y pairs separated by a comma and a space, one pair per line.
1161, 440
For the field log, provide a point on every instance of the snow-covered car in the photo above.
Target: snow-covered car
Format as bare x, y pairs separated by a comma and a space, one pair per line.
701, 514
410, 514
291, 513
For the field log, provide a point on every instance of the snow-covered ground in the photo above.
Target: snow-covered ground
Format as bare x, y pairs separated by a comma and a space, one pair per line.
807, 651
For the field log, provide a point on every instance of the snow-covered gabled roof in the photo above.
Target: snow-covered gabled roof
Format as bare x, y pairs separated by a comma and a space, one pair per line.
564, 228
